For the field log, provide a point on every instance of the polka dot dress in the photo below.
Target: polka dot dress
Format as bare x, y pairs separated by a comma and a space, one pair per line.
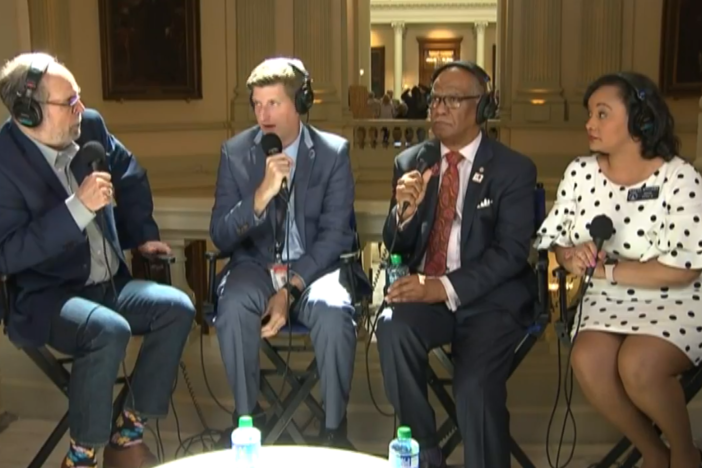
668, 228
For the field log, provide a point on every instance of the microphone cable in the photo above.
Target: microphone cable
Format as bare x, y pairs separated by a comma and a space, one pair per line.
568, 385
374, 324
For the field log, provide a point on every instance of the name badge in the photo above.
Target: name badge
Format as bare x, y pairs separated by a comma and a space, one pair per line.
279, 275
643, 194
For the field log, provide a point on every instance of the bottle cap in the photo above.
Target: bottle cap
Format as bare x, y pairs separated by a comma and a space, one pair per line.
404, 433
245, 421
396, 259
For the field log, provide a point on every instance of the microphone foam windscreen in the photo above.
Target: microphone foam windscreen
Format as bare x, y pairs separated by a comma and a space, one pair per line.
601, 227
92, 152
271, 144
427, 158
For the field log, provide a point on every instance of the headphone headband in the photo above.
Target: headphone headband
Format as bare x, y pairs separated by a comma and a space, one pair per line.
304, 96
487, 105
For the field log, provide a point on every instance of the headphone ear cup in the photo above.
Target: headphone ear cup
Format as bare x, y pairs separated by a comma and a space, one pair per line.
304, 99
481, 110
27, 112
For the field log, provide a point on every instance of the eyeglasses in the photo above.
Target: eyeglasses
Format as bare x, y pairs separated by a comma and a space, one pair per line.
71, 102
451, 102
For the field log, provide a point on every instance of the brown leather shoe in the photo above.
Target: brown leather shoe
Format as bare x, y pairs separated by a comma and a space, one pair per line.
136, 456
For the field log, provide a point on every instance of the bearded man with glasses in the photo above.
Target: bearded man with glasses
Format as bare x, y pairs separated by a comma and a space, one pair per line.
63, 229
463, 227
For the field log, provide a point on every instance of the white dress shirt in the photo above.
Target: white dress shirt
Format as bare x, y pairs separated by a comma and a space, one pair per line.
453, 255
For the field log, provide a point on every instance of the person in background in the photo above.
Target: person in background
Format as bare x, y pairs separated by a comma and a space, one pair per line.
72, 289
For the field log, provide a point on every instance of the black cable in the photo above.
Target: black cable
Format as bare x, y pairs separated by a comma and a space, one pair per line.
568, 385
287, 226
374, 283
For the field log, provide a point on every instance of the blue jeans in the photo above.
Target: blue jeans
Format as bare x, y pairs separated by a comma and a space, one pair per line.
95, 329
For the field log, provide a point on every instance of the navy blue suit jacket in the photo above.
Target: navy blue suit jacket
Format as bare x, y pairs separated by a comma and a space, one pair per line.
41, 247
495, 241
324, 196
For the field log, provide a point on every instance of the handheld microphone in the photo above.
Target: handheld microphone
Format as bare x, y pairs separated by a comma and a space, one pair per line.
272, 145
425, 159
601, 230
91, 154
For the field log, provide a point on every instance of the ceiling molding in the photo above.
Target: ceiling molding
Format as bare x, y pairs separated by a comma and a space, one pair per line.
424, 11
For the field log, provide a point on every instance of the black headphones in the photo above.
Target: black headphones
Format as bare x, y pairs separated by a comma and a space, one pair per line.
642, 116
487, 105
26, 110
304, 96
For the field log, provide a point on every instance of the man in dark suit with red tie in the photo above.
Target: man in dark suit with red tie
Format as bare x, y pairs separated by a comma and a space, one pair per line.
464, 228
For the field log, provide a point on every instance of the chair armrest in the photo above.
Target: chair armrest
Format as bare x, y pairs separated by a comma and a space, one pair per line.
214, 255
160, 258
348, 258
560, 272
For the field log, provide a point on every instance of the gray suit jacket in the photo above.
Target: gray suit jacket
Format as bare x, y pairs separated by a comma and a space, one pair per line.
324, 196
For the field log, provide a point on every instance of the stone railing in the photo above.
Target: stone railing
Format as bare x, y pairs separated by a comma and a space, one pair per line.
374, 145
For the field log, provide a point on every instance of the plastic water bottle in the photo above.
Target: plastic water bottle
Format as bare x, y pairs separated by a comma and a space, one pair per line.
404, 450
395, 270
246, 443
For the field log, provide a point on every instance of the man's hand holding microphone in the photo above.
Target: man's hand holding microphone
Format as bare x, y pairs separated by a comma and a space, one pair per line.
409, 193
278, 168
95, 192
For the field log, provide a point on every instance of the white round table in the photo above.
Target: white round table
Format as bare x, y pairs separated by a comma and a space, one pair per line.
284, 456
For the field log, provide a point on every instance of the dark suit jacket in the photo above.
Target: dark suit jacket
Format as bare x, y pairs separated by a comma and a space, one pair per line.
495, 241
324, 196
41, 247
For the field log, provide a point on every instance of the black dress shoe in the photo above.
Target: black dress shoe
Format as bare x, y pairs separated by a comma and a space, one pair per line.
431, 458
336, 438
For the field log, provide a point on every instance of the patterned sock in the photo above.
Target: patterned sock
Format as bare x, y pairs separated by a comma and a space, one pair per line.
81, 456
129, 431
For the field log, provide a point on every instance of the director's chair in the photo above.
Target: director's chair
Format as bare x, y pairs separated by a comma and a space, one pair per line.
301, 382
57, 369
448, 433
691, 381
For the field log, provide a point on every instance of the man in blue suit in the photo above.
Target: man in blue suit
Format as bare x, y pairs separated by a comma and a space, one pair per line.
61, 243
250, 223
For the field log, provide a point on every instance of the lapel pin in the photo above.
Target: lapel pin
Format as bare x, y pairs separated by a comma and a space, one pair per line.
481, 169
477, 177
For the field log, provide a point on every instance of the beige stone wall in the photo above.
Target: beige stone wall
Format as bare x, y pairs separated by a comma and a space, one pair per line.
551, 50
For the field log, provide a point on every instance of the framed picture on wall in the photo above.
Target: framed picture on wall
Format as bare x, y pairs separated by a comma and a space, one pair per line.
150, 49
681, 48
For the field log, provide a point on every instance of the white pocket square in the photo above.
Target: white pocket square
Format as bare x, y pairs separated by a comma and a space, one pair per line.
485, 203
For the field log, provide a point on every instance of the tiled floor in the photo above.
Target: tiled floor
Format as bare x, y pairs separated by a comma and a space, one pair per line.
22, 439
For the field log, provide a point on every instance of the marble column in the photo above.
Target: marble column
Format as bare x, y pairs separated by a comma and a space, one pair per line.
364, 41
50, 23
480, 28
255, 41
320, 41
698, 156
14, 39
399, 29
600, 39
539, 96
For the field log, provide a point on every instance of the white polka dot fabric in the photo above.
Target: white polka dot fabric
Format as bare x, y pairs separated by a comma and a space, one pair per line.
668, 228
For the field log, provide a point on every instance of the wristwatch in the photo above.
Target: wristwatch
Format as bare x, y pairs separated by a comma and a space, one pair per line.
609, 266
293, 291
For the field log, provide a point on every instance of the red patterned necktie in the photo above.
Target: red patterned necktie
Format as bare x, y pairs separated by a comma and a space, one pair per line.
435, 263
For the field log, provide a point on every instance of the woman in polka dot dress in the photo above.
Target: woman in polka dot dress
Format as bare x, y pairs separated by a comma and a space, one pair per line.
641, 323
